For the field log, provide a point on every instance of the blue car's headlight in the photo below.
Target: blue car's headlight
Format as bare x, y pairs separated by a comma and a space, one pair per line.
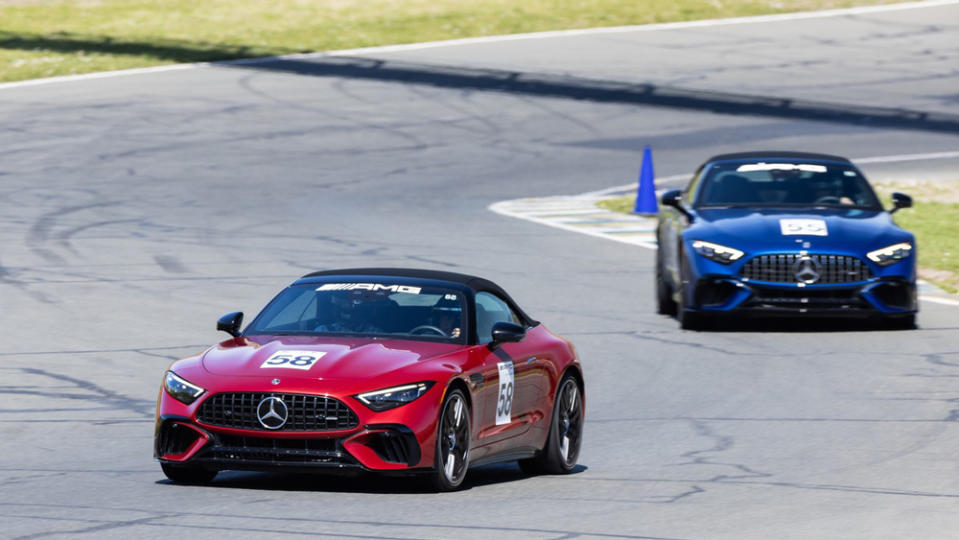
716, 252
181, 389
390, 398
890, 254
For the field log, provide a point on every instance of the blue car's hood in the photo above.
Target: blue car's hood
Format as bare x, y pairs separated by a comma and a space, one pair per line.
763, 230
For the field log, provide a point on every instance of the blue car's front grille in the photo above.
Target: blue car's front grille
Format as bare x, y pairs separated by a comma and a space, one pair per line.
810, 269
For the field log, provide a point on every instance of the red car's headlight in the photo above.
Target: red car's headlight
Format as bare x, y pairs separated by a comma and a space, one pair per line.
390, 398
181, 389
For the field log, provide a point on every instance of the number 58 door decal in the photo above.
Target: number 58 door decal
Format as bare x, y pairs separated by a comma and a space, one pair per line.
504, 403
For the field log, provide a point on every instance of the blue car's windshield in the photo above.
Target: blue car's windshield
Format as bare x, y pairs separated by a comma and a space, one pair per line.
378, 309
785, 183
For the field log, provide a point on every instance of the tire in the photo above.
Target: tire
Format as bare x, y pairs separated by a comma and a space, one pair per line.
452, 443
901, 323
687, 320
187, 474
664, 293
565, 438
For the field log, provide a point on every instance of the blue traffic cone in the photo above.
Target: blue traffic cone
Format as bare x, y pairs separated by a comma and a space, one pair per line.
646, 193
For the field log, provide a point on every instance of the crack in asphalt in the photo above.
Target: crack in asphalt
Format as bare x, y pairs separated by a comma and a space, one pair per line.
721, 480
300, 520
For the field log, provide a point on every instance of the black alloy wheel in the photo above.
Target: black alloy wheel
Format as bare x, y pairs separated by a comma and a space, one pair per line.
561, 452
452, 443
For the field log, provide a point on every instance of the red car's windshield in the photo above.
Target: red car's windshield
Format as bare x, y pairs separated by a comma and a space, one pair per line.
369, 309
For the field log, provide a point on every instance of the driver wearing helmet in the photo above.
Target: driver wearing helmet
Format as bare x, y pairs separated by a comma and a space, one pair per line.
352, 314
827, 191
447, 315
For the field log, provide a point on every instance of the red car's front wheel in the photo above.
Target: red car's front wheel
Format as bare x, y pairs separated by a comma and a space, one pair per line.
452, 443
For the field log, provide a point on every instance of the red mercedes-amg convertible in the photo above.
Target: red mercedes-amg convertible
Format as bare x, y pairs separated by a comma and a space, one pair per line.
387, 370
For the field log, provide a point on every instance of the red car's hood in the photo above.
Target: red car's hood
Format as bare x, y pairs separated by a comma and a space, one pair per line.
339, 358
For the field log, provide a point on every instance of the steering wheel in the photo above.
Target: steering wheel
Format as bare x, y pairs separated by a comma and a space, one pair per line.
431, 328
828, 199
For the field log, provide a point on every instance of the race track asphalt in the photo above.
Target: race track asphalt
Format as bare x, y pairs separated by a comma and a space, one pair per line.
136, 209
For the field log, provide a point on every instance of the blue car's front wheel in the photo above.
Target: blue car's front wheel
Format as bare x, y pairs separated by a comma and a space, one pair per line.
688, 320
907, 322
665, 305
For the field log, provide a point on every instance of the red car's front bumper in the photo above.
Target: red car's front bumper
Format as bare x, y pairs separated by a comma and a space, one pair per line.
217, 432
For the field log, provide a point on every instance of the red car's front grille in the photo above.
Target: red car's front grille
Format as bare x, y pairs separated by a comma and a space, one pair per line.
238, 410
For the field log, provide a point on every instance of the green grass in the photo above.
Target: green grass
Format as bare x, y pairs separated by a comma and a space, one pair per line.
934, 219
624, 205
42, 38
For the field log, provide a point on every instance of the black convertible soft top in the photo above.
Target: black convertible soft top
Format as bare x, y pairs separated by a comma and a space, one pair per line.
765, 154
473, 282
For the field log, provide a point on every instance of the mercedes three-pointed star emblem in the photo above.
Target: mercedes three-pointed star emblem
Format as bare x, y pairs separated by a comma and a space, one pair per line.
806, 270
272, 412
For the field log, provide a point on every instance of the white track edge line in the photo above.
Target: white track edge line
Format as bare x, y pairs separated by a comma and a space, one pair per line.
493, 39
939, 300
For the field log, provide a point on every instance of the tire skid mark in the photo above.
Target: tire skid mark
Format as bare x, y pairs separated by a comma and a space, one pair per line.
97, 393
64, 237
170, 264
7, 278
40, 231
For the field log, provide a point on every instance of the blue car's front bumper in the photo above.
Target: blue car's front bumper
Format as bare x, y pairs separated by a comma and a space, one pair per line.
715, 287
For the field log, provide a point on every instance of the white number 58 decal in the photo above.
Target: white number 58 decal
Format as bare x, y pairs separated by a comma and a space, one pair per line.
504, 403
292, 359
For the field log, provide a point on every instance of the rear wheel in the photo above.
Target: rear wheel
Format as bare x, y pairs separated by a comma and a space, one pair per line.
565, 433
452, 443
187, 474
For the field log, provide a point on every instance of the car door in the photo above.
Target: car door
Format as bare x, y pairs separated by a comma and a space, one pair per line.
511, 374
673, 224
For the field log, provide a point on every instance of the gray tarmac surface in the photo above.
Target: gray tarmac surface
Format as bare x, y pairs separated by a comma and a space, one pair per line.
137, 209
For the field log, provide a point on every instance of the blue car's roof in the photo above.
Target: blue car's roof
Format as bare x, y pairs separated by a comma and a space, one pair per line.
766, 154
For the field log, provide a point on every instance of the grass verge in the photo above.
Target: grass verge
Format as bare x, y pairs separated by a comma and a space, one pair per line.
934, 219
44, 38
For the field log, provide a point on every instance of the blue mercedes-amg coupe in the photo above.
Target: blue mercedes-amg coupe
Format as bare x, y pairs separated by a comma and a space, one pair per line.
783, 233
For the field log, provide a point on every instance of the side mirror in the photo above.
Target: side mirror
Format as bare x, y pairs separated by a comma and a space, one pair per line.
506, 332
230, 323
900, 200
671, 198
